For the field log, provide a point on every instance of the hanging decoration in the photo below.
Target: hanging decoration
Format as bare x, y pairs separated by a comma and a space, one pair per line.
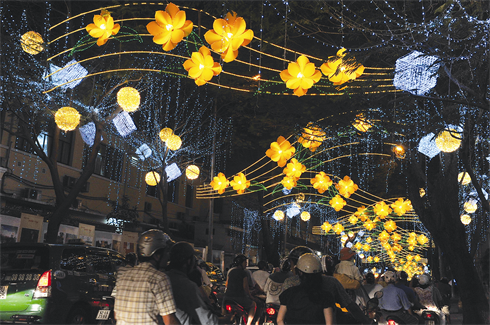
63, 77
240, 183
174, 142
192, 172
32, 43
470, 206
339, 71
67, 118
228, 35
428, 147
464, 178
465, 219
173, 172
152, 178
103, 27
219, 183
165, 133
300, 75
201, 66
321, 182
280, 151
88, 133
143, 151
170, 27
293, 210
312, 137
361, 123
129, 99
416, 73
278, 215
305, 216
399, 151
124, 124
448, 141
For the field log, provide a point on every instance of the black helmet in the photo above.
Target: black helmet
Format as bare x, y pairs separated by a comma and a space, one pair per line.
181, 252
285, 265
239, 259
296, 252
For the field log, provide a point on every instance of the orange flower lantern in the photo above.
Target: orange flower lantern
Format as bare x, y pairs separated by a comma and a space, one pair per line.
103, 27
300, 75
201, 66
280, 151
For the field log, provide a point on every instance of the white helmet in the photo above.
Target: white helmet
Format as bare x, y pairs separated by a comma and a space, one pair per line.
390, 277
309, 263
152, 240
424, 279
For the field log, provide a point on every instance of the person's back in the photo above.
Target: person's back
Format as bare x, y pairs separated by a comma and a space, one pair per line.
260, 276
274, 284
347, 266
371, 286
395, 302
402, 283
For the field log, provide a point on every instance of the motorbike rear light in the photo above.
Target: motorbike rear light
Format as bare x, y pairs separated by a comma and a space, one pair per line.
228, 308
392, 322
43, 288
271, 311
428, 315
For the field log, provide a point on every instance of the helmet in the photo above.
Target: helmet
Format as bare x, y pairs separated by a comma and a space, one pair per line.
309, 263
390, 276
181, 252
296, 252
239, 259
424, 279
285, 265
346, 254
152, 240
327, 263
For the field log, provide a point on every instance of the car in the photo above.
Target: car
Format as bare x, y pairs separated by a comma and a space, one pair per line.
56, 283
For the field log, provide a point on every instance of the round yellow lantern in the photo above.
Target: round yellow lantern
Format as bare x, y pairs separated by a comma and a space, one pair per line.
447, 140
305, 216
67, 118
152, 178
278, 215
470, 206
174, 142
192, 172
465, 219
32, 43
399, 151
128, 98
165, 133
464, 178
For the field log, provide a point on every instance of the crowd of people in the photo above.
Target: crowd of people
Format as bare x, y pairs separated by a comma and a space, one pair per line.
166, 285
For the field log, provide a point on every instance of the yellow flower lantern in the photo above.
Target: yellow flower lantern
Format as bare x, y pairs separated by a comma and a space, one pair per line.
346, 187
103, 27
165, 133
400, 207
465, 219
201, 66
376, 259
447, 140
294, 169
169, 27
174, 142
305, 216
383, 236
278, 215
240, 183
338, 228
422, 239
337, 72
382, 210
289, 182
369, 240
321, 182
464, 178
312, 137
280, 151
219, 183
67, 118
128, 98
366, 247
228, 35
390, 225
396, 237
32, 43
326, 226
353, 219
192, 172
369, 225
337, 202
370, 259
300, 75
152, 178
358, 246
361, 123
470, 206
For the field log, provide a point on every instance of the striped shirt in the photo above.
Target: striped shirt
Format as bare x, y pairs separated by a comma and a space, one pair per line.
143, 295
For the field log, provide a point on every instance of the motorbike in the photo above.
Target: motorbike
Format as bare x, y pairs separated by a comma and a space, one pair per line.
371, 310
105, 315
271, 311
235, 312
430, 317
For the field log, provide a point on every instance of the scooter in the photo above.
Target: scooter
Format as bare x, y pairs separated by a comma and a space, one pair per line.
372, 310
235, 312
271, 311
430, 317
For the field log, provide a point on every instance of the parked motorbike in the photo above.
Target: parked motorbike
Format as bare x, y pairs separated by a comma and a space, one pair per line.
271, 311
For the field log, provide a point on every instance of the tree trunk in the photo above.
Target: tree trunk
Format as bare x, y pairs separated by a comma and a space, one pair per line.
270, 244
439, 212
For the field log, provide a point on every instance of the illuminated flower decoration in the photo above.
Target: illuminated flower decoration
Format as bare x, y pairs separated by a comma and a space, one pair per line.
376, 259
396, 237
337, 202
400, 207
337, 71
300, 75
390, 225
369, 225
67, 118
397, 248
361, 123
32, 42
280, 151
170, 27
220, 183
338, 228
369, 240
366, 247
422, 239
386, 246
240, 183
289, 182
312, 137
360, 213
294, 169
369, 259
358, 246
321, 182
382, 210
353, 219
103, 27
384, 236
412, 241
228, 35
201, 66
326, 226
346, 187
417, 258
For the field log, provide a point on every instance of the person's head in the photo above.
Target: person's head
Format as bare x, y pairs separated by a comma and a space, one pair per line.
424, 280
370, 278
240, 261
390, 277
182, 257
131, 259
262, 265
347, 254
153, 246
402, 276
295, 253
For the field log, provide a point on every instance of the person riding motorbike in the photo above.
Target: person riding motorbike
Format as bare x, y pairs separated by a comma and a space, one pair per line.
430, 297
394, 301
